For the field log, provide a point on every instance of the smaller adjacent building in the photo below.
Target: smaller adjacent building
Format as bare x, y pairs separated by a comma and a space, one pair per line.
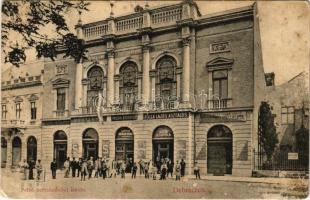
21, 106
290, 106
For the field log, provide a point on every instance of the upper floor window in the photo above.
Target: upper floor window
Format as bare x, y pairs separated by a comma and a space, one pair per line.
95, 84
220, 84
287, 114
166, 87
18, 110
61, 99
4, 111
128, 84
33, 110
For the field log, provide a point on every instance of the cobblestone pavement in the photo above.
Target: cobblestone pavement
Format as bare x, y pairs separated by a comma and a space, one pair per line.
14, 187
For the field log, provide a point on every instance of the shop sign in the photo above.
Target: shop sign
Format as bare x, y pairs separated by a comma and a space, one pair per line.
163, 133
123, 117
171, 115
223, 117
292, 156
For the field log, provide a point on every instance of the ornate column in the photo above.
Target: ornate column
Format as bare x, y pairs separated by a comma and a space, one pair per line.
78, 85
186, 69
146, 75
110, 82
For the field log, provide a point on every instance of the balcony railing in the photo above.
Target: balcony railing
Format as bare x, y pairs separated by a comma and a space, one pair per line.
130, 23
217, 104
88, 110
61, 113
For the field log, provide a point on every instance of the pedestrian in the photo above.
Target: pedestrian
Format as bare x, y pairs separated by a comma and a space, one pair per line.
54, 168
113, 169
104, 169
178, 171
31, 167
183, 164
25, 168
67, 167
163, 171
84, 170
99, 167
96, 167
39, 169
79, 166
146, 170
141, 166
73, 166
123, 168
154, 171
196, 170
134, 170
90, 167
170, 168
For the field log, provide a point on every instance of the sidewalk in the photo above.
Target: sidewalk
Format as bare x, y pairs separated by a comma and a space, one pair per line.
284, 181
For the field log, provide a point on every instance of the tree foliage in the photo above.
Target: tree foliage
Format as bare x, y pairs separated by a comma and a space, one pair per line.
269, 137
27, 18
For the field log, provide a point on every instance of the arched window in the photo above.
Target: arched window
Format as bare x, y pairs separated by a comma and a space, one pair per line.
90, 143
128, 85
166, 87
163, 144
16, 151
95, 85
60, 148
3, 151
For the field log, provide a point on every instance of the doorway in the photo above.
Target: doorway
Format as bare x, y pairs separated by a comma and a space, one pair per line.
90, 143
60, 148
219, 150
124, 145
31, 149
162, 144
16, 151
3, 152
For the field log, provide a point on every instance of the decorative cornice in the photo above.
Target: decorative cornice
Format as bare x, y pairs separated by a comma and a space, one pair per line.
18, 99
60, 83
186, 41
33, 97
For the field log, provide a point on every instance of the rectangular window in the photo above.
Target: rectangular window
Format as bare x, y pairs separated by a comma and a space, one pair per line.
33, 109
220, 84
287, 115
61, 99
18, 110
4, 111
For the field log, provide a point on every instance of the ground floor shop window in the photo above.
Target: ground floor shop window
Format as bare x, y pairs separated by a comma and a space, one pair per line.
124, 147
16, 151
219, 150
162, 145
90, 143
60, 148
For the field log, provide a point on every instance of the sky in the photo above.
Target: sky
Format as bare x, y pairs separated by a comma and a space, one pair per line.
284, 27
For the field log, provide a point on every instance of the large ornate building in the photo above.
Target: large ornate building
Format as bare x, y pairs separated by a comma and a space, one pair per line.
159, 82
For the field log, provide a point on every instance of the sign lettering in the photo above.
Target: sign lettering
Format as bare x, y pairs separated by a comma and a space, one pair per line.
151, 116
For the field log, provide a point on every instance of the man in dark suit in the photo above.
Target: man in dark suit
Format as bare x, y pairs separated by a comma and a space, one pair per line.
54, 168
73, 166
182, 163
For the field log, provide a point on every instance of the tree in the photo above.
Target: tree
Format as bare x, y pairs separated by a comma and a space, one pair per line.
27, 19
268, 137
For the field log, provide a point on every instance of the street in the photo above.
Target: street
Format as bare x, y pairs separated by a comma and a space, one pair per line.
61, 188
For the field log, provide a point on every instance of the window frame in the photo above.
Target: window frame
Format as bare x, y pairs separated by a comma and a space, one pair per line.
58, 94
286, 114
33, 110
220, 80
18, 110
3, 111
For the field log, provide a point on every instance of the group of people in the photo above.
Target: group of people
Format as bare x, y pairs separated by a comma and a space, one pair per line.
29, 167
105, 168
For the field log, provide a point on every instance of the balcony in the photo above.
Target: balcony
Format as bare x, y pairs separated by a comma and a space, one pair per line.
218, 104
12, 123
152, 18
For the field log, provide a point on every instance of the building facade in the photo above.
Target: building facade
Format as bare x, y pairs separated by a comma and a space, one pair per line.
164, 82
21, 108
